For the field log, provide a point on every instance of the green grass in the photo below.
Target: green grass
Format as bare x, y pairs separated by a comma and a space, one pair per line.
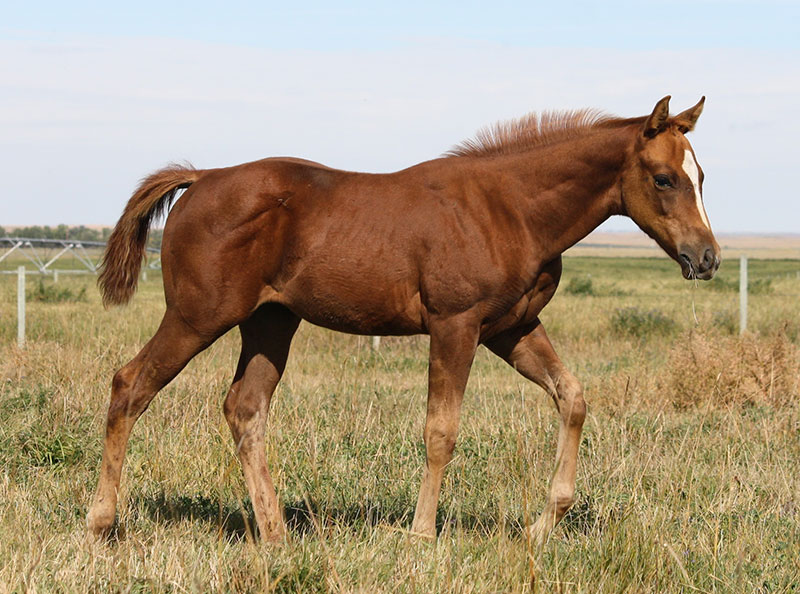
580, 285
639, 323
688, 479
51, 293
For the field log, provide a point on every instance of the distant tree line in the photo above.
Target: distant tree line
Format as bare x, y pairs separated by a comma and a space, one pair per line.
79, 233
59, 232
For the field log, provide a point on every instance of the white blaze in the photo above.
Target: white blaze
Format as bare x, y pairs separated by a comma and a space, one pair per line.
690, 167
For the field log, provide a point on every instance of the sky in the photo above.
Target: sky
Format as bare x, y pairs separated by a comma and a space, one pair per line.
94, 96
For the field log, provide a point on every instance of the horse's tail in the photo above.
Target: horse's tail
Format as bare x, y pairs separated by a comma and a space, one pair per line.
122, 260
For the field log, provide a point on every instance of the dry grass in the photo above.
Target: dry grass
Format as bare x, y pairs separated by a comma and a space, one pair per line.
753, 371
689, 477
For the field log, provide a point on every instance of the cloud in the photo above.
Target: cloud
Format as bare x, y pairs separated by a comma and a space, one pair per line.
84, 119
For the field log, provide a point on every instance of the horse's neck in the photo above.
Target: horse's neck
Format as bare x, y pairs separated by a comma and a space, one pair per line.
569, 189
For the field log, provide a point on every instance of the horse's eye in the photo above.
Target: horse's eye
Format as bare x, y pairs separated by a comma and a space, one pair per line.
662, 181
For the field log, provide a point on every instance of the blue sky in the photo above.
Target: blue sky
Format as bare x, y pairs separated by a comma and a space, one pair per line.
94, 96
369, 25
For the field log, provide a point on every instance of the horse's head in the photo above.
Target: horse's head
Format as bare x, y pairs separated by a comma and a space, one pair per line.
662, 189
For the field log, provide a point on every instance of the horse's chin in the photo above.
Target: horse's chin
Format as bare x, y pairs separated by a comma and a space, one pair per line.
687, 268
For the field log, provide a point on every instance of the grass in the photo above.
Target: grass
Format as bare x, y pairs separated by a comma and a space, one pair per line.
688, 479
50, 293
639, 323
580, 286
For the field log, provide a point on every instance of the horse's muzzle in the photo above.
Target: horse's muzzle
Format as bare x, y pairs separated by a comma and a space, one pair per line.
695, 266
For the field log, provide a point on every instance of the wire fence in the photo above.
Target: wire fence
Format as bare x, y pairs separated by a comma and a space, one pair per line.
743, 288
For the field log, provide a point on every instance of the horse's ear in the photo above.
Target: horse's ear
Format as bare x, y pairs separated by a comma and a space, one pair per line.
656, 120
687, 119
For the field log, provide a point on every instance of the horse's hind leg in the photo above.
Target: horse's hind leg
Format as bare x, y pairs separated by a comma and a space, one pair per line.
529, 351
133, 387
266, 337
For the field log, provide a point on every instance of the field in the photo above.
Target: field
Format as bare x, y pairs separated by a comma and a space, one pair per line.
688, 478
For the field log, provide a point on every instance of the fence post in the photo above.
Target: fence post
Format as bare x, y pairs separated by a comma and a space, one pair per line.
55, 276
742, 294
21, 306
376, 343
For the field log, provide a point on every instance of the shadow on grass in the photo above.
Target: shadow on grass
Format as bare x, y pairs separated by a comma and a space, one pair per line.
367, 513
231, 521
237, 523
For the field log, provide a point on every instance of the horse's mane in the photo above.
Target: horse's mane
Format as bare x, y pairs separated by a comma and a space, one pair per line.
533, 130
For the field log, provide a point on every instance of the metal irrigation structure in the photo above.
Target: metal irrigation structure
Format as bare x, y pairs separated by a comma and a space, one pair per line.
38, 252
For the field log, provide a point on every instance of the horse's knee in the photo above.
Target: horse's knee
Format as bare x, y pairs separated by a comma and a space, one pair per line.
572, 406
244, 416
241, 408
231, 405
440, 442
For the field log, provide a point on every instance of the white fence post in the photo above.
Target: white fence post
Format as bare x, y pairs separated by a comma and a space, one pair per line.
376, 343
742, 294
21, 306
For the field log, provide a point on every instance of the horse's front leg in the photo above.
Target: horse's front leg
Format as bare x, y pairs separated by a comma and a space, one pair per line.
529, 351
452, 349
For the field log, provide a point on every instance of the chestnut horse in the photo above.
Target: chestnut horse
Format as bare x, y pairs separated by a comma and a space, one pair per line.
465, 248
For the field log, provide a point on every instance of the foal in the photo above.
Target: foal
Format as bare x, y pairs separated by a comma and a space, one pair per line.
466, 248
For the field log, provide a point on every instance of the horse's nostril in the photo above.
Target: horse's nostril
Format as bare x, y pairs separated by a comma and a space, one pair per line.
709, 260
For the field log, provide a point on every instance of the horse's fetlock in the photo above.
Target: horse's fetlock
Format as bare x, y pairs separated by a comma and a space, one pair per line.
562, 503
